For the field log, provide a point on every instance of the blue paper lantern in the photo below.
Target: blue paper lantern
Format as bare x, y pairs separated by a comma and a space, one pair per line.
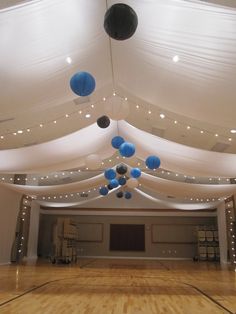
128, 195
82, 83
117, 141
122, 181
103, 191
153, 162
135, 172
110, 174
114, 183
127, 149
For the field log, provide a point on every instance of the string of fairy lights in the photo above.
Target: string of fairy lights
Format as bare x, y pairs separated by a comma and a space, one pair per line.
87, 110
230, 212
89, 194
112, 161
75, 174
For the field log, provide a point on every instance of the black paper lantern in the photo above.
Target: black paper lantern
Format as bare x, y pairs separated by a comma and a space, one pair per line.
109, 187
119, 194
103, 122
120, 21
121, 169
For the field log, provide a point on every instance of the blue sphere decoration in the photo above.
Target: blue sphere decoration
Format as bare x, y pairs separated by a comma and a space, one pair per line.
110, 174
117, 141
127, 149
122, 181
82, 83
103, 191
135, 172
128, 195
114, 183
153, 162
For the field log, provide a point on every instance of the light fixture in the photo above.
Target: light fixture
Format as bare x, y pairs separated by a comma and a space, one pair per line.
175, 58
162, 116
149, 111
230, 139
104, 99
41, 125
20, 131
201, 132
233, 131
137, 106
69, 60
88, 115
188, 127
55, 121
126, 98
28, 130
175, 122
67, 116
216, 135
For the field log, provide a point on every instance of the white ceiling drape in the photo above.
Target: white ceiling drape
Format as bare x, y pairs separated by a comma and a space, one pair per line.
63, 153
70, 152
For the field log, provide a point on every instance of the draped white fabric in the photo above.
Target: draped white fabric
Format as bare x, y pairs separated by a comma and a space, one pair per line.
63, 153
153, 183
203, 37
178, 157
70, 151
176, 204
159, 203
79, 186
181, 189
37, 37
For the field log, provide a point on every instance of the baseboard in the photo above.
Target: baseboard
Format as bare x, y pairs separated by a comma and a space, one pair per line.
7, 263
31, 258
139, 257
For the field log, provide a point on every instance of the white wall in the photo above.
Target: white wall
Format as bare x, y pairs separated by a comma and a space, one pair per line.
9, 207
33, 231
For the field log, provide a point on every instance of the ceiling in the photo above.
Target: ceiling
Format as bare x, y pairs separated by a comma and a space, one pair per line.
197, 94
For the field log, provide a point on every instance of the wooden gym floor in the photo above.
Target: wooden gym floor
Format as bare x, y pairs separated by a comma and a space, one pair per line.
115, 286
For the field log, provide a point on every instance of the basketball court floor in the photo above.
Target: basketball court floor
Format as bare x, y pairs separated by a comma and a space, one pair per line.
101, 286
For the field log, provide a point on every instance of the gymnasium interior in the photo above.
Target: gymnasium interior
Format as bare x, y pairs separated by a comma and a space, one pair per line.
117, 156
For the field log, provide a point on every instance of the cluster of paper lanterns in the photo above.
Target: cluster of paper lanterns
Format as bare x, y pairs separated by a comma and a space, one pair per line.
125, 149
117, 178
120, 23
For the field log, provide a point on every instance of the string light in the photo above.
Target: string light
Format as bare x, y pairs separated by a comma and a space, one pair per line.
162, 116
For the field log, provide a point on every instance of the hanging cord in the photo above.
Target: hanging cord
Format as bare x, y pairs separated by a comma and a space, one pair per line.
118, 131
111, 57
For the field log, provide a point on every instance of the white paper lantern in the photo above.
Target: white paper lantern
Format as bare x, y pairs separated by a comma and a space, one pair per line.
132, 183
116, 108
93, 161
